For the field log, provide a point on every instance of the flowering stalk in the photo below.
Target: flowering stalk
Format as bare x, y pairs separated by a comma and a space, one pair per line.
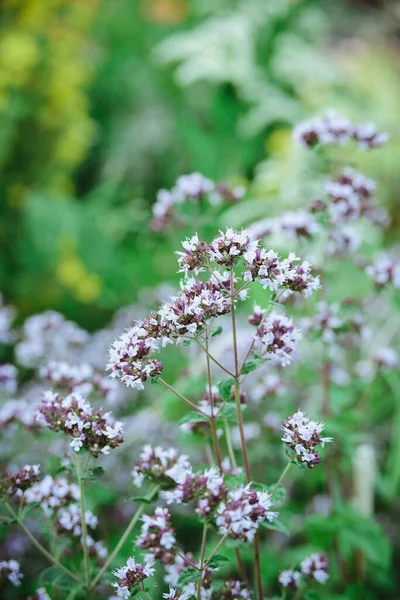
281, 478
202, 553
256, 546
41, 548
85, 547
125, 535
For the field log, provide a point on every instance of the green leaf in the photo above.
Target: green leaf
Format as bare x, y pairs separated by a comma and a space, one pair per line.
7, 520
252, 365
216, 331
95, 473
55, 577
225, 388
276, 525
217, 560
193, 417
228, 413
140, 499
311, 595
189, 576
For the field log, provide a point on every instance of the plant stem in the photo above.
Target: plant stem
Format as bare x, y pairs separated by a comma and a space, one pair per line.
202, 553
86, 557
212, 420
41, 548
217, 547
228, 437
214, 359
256, 545
186, 400
125, 535
281, 478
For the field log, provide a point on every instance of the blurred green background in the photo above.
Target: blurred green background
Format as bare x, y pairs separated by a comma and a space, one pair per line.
104, 103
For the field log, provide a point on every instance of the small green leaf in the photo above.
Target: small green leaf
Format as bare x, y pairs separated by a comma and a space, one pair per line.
217, 560
229, 413
187, 342
225, 388
7, 520
55, 577
276, 525
216, 331
95, 473
189, 576
140, 499
193, 417
252, 365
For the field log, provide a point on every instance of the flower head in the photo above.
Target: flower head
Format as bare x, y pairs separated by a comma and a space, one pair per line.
157, 535
302, 436
316, 566
131, 577
166, 467
278, 336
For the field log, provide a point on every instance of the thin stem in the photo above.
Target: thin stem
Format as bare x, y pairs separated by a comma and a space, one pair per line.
281, 478
41, 548
217, 547
256, 545
186, 400
187, 561
125, 535
231, 451
212, 420
202, 553
214, 359
86, 558
241, 431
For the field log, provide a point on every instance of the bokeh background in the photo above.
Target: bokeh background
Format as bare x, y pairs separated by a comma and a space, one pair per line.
104, 103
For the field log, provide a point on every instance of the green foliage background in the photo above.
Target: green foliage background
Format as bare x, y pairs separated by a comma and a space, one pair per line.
104, 103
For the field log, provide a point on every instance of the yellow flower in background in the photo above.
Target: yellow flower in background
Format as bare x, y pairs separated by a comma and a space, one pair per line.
72, 273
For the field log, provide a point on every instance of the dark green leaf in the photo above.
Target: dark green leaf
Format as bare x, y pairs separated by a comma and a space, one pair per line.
216, 331
217, 560
7, 520
252, 365
225, 388
189, 576
95, 473
276, 525
193, 417
228, 413
139, 499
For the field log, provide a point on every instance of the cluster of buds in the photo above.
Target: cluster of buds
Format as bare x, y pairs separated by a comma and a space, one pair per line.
165, 467
313, 567
206, 489
384, 270
193, 188
10, 569
52, 494
7, 314
293, 224
131, 577
241, 513
81, 379
316, 567
48, 334
8, 379
186, 314
69, 520
89, 428
302, 436
157, 535
350, 197
334, 129
278, 338
17, 483
274, 273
